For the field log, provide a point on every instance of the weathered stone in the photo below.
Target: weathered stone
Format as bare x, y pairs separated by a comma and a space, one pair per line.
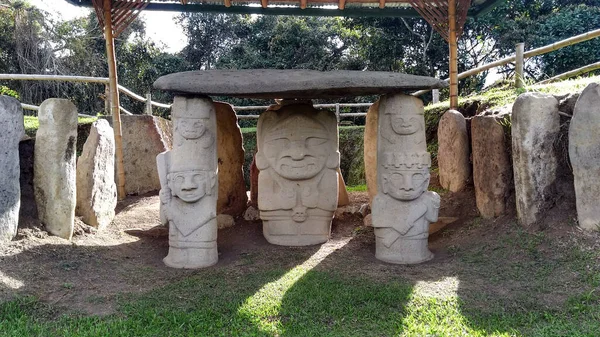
254, 183
54, 166
96, 189
189, 185
403, 208
584, 152
567, 104
492, 171
453, 152
225, 221
296, 83
368, 220
232, 188
370, 149
535, 125
144, 137
251, 214
11, 131
343, 198
298, 160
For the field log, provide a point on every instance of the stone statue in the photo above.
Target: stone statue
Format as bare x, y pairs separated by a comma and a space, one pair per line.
403, 208
188, 178
298, 160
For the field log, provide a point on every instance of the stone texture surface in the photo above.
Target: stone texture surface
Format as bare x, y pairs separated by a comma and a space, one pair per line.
54, 166
251, 214
535, 126
96, 188
144, 137
492, 170
254, 183
276, 83
370, 149
403, 208
453, 152
343, 198
225, 221
298, 160
189, 185
584, 152
230, 149
11, 132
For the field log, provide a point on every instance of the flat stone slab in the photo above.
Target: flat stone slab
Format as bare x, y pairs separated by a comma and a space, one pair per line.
276, 83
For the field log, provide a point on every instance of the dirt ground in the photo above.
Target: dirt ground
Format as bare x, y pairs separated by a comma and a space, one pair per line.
88, 274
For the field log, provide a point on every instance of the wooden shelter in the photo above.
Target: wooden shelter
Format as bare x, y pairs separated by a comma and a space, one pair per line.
447, 17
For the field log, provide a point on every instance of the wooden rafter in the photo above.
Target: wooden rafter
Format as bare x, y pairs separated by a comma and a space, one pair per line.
342, 4
123, 12
436, 13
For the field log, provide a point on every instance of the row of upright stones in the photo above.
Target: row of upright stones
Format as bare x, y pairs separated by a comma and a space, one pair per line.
525, 159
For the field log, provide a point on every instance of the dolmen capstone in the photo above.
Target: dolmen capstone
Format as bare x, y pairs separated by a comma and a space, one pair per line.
11, 132
584, 152
403, 208
298, 160
535, 126
54, 177
189, 186
96, 188
298, 154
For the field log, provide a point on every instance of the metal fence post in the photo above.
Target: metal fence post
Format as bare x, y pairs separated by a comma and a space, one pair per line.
337, 112
519, 65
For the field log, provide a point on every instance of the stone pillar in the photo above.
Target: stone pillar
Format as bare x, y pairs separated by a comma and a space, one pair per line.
11, 132
230, 149
403, 208
96, 188
370, 149
535, 126
492, 172
453, 152
54, 177
189, 186
298, 160
584, 152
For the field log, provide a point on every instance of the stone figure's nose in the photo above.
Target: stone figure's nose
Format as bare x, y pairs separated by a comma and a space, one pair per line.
297, 151
188, 185
407, 184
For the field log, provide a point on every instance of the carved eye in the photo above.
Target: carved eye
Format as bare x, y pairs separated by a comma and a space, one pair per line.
418, 178
315, 141
179, 179
281, 142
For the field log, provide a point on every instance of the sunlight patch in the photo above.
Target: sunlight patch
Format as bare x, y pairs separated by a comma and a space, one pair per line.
444, 288
10, 282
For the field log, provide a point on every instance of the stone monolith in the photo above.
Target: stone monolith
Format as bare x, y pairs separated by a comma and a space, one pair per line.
403, 208
535, 126
492, 171
584, 152
11, 132
370, 149
298, 159
453, 152
54, 166
96, 189
189, 185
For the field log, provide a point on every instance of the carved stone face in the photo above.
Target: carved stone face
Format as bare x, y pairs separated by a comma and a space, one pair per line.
405, 124
191, 128
298, 149
406, 184
189, 186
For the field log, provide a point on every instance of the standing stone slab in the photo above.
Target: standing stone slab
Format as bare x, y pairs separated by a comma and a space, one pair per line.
144, 137
54, 166
232, 188
584, 152
370, 149
96, 189
189, 185
535, 126
403, 208
298, 160
492, 172
11, 132
453, 153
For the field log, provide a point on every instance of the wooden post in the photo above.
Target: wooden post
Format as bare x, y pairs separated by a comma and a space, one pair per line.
149, 104
519, 65
453, 44
114, 97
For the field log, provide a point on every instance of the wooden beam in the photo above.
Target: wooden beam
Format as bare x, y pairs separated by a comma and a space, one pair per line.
264, 3
453, 45
382, 4
227, 3
303, 4
342, 4
114, 97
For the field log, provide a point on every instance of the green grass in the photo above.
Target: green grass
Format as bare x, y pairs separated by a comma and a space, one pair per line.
32, 124
357, 188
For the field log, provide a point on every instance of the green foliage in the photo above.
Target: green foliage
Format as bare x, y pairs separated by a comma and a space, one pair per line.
4, 90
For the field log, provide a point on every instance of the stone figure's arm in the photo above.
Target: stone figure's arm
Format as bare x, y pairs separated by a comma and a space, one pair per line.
433, 206
162, 163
